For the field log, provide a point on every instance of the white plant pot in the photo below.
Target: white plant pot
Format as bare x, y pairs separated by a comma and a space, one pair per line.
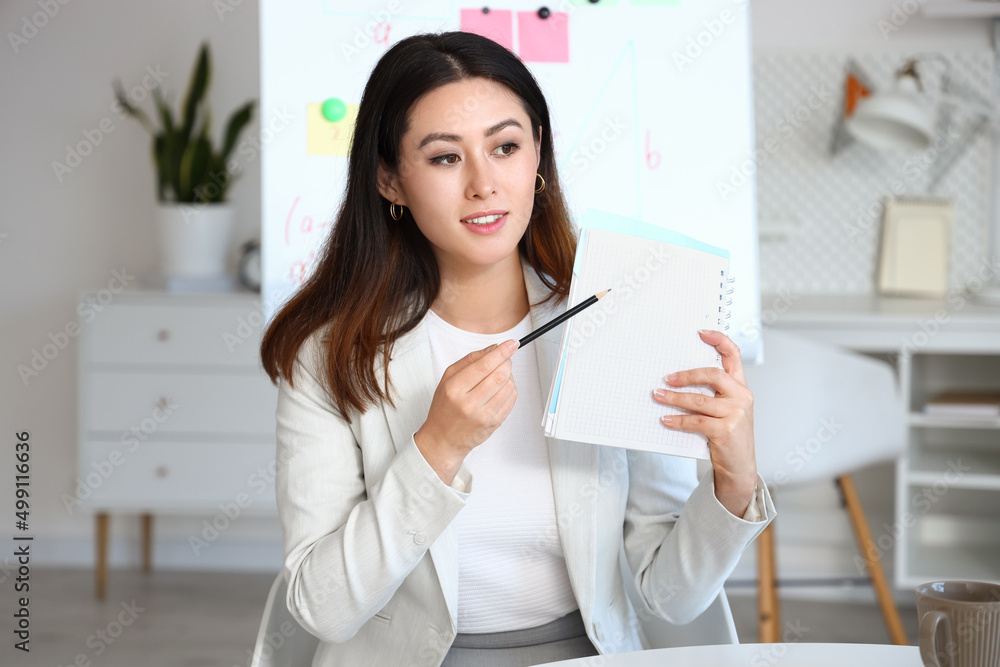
194, 238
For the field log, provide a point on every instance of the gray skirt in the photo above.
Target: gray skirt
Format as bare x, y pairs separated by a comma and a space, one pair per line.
562, 639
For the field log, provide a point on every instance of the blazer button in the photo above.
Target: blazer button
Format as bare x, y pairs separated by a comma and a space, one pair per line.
419, 538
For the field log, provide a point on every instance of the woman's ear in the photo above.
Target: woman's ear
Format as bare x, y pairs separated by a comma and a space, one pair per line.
387, 185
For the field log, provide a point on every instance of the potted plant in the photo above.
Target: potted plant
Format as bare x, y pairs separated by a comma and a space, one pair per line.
194, 222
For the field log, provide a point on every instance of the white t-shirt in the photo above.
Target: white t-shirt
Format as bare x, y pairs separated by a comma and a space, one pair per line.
511, 568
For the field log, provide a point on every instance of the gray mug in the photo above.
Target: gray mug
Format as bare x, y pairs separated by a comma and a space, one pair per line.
959, 623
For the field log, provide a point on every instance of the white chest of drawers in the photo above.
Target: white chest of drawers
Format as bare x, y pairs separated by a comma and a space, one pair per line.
176, 415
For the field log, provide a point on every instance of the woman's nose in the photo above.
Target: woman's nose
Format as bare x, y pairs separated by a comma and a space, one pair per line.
480, 178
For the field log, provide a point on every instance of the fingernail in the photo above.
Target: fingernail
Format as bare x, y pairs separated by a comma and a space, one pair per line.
671, 377
513, 345
659, 393
705, 331
666, 420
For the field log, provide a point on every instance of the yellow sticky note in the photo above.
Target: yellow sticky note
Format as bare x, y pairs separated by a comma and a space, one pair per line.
326, 138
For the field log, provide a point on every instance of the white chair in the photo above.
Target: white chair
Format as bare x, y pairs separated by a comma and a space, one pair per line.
281, 641
713, 626
821, 412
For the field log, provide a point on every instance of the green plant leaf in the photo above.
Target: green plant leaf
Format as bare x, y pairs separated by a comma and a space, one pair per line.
218, 168
161, 173
135, 112
165, 115
194, 168
236, 123
168, 154
196, 91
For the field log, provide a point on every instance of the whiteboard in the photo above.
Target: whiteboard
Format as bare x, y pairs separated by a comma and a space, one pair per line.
650, 103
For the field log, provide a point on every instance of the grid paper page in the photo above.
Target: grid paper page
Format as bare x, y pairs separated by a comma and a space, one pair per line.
618, 350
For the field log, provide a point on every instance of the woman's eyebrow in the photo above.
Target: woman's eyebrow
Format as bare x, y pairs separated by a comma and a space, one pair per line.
441, 136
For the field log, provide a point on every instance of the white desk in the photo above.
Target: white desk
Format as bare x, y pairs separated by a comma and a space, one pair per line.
948, 525
868, 323
754, 655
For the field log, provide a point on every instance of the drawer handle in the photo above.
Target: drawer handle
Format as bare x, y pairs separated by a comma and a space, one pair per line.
163, 402
161, 471
163, 335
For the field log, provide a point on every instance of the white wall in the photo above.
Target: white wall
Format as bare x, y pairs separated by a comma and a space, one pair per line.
62, 236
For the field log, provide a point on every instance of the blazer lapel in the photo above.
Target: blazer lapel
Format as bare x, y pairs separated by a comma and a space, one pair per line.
574, 465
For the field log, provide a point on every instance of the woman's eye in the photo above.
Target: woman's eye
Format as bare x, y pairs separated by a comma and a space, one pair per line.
441, 159
444, 159
513, 147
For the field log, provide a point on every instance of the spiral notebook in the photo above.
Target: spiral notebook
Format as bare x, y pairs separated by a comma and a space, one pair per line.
664, 287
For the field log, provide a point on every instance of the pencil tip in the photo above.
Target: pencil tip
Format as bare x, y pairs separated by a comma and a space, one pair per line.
603, 293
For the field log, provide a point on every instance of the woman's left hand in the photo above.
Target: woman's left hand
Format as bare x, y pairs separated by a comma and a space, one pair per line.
726, 418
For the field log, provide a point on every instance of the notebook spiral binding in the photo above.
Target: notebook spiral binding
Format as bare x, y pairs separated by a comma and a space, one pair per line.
724, 291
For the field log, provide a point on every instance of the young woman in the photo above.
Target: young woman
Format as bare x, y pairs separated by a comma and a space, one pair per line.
426, 518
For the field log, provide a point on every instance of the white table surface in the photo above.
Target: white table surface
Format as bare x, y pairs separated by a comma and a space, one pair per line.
760, 655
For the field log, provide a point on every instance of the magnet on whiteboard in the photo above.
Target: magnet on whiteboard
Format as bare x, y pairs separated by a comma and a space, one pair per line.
334, 109
543, 13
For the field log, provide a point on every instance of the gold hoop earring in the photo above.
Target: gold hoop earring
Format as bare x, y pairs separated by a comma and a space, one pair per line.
392, 211
540, 189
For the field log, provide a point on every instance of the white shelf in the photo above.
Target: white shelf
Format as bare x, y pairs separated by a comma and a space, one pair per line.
930, 467
952, 561
955, 532
957, 9
937, 421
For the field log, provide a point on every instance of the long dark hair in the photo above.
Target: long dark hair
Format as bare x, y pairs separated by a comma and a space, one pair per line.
377, 277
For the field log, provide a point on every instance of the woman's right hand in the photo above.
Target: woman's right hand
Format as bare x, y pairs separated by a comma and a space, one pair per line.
474, 396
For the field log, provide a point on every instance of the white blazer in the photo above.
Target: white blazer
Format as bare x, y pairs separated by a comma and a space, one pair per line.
370, 552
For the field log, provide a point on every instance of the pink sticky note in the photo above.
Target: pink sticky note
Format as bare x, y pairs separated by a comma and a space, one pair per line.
543, 40
498, 25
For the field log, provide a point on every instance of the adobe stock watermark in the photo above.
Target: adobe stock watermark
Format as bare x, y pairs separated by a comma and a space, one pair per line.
900, 14
223, 7
987, 271
103, 638
771, 654
780, 304
374, 31
913, 168
104, 468
7, 569
586, 153
247, 328
594, 318
38, 20
229, 513
58, 341
92, 138
797, 458
710, 32
966, 630
615, 472
923, 501
248, 150
272, 641
794, 120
